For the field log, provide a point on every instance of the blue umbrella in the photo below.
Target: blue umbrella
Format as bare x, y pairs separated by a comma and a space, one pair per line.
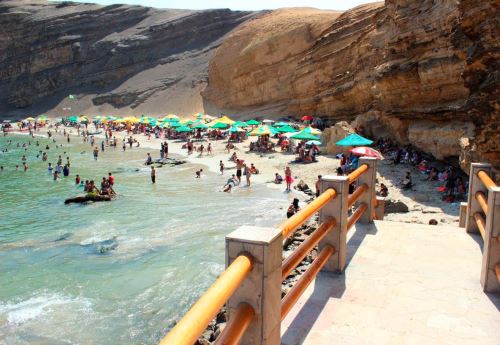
354, 140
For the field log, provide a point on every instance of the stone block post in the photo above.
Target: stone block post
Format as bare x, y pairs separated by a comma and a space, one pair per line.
369, 177
337, 208
262, 288
380, 209
462, 216
475, 185
491, 249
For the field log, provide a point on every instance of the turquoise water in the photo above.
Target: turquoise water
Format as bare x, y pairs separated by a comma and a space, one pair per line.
116, 272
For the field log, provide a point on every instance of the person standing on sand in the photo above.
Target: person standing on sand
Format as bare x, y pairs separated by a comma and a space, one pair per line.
165, 149
221, 167
209, 149
318, 183
153, 174
288, 178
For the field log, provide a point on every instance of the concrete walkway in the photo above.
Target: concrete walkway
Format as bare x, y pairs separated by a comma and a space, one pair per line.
404, 284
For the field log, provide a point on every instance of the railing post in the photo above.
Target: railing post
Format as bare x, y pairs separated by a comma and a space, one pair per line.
337, 208
369, 177
475, 185
380, 209
491, 249
262, 288
462, 215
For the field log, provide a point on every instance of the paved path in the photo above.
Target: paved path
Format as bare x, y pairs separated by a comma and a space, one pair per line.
405, 284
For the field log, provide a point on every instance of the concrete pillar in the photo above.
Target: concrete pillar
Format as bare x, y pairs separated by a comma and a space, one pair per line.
491, 249
380, 209
337, 208
369, 177
262, 288
475, 185
462, 217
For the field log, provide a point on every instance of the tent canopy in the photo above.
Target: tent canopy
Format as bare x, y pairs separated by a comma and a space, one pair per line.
354, 140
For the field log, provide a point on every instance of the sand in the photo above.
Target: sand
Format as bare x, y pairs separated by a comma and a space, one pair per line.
423, 201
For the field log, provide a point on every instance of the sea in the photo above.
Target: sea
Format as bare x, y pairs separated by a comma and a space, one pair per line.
119, 272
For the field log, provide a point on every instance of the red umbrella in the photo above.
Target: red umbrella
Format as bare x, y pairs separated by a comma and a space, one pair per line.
367, 152
307, 118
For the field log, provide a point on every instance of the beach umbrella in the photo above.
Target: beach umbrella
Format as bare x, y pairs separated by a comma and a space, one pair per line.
29, 119
313, 142
183, 129
83, 119
219, 125
253, 123
175, 124
280, 124
234, 129
366, 152
263, 130
42, 118
268, 121
240, 124
302, 135
111, 118
226, 120
198, 116
199, 125
354, 140
307, 118
73, 119
311, 130
187, 122
286, 129
171, 116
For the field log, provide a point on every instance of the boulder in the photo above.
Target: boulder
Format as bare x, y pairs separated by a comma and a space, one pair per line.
395, 206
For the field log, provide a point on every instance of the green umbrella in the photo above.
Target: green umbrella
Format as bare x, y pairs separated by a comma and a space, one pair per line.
175, 124
286, 129
240, 124
253, 122
199, 125
219, 125
73, 119
354, 140
263, 130
188, 122
303, 135
183, 129
164, 124
234, 129
280, 124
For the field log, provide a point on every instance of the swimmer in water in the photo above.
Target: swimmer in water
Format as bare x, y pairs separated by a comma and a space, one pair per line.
25, 166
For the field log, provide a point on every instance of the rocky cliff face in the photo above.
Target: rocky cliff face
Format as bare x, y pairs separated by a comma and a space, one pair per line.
423, 72
115, 58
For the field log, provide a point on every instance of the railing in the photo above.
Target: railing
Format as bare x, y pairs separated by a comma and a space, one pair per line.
482, 214
251, 283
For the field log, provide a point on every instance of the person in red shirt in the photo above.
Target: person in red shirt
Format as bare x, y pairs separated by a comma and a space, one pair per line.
111, 179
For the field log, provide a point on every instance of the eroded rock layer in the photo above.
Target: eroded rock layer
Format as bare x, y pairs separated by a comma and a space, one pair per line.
423, 72
130, 58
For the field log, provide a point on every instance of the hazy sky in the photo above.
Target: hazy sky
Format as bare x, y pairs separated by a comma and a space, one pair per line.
238, 5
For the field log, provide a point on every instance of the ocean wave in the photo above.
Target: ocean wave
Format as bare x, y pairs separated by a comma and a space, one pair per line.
35, 307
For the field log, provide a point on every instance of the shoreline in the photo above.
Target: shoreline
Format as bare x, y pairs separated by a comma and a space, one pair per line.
423, 202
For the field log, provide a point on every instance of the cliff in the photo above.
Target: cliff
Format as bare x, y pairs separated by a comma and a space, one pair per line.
422, 72
116, 59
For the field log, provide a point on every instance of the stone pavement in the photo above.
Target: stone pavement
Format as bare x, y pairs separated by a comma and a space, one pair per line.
404, 284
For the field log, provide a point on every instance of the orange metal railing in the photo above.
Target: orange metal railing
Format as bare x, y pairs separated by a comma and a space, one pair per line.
296, 291
237, 325
356, 215
482, 201
357, 173
486, 179
294, 259
196, 320
351, 200
295, 221
481, 224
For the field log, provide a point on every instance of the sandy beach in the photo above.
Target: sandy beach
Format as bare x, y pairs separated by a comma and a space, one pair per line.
423, 200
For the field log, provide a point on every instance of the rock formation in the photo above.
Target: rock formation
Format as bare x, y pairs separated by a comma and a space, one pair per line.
423, 72
115, 58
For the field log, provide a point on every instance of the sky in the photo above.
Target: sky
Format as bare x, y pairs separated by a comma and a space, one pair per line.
238, 5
